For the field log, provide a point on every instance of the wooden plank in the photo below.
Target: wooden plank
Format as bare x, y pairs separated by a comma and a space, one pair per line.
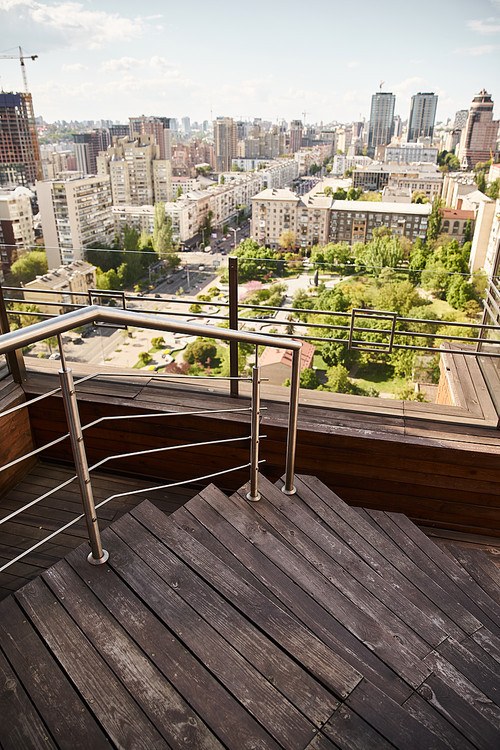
350, 731
395, 559
358, 620
473, 666
479, 567
482, 394
459, 712
271, 619
165, 708
336, 561
272, 661
276, 714
427, 715
107, 699
61, 709
390, 719
304, 607
22, 728
227, 718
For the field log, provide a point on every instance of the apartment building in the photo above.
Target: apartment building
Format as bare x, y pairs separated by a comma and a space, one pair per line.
313, 213
423, 177
354, 221
409, 153
129, 165
486, 240
19, 150
295, 141
341, 163
225, 141
274, 211
162, 181
78, 277
381, 126
16, 226
157, 127
183, 214
422, 116
75, 213
455, 221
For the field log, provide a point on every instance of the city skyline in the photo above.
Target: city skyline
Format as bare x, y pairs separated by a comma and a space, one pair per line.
271, 61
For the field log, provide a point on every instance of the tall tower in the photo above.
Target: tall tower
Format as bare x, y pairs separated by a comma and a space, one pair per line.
381, 120
295, 135
19, 150
422, 116
225, 141
159, 127
480, 133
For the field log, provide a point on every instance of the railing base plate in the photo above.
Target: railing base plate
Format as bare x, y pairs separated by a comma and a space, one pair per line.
98, 561
288, 492
253, 498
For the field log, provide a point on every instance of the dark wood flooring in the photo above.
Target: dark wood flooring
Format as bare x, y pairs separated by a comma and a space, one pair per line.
296, 622
36, 523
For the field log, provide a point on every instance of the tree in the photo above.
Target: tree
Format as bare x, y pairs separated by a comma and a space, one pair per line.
493, 191
468, 231
481, 182
338, 380
309, 379
28, 267
287, 239
179, 192
380, 252
222, 180
200, 351
435, 219
158, 342
145, 358
398, 296
162, 231
459, 292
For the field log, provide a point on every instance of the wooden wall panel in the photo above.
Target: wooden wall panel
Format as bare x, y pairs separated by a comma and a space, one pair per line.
15, 436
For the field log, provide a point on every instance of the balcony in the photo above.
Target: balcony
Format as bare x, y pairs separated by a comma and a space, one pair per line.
309, 618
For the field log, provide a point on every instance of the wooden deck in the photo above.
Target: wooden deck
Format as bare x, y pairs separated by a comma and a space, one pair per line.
26, 529
296, 622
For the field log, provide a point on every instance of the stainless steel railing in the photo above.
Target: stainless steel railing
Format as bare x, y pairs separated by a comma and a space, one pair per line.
15, 340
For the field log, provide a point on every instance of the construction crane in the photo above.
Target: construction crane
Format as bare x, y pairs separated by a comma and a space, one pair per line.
304, 114
381, 84
21, 58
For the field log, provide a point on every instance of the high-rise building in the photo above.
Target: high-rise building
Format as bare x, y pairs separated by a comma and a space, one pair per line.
159, 127
130, 167
88, 147
381, 126
479, 136
225, 141
295, 136
75, 213
19, 150
422, 116
461, 116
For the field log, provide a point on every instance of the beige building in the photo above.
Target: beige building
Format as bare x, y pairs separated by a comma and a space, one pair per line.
422, 177
64, 287
226, 143
75, 213
16, 226
162, 181
274, 211
486, 237
354, 221
129, 165
276, 363
313, 213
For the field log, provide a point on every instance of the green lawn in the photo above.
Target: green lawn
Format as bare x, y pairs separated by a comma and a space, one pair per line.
379, 376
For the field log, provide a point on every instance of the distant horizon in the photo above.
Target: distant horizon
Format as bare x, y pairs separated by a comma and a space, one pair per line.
274, 60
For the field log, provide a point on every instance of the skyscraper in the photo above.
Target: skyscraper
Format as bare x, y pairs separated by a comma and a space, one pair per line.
479, 136
225, 143
381, 120
88, 147
159, 127
422, 116
295, 135
19, 150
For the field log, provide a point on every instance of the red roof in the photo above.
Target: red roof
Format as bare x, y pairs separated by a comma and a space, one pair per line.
457, 213
272, 356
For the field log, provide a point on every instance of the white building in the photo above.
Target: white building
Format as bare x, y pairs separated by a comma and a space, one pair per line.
409, 153
75, 213
16, 225
77, 277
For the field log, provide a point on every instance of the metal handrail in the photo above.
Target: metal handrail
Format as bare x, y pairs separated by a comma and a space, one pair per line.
12, 341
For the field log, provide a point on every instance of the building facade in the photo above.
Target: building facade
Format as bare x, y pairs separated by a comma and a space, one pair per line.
409, 153
423, 177
422, 116
225, 143
20, 162
295, 136
77, 277
381, 127
354, 221
16, 226
75, 213
479, 136
158, 127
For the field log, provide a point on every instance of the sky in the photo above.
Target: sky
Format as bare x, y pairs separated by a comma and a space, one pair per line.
274, 59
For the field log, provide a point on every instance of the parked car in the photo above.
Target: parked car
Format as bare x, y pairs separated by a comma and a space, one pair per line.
55, 355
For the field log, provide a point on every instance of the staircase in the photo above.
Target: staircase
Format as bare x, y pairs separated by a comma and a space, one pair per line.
295, 622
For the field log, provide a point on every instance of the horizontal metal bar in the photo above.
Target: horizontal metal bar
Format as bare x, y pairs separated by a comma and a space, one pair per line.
37, 500
166, 448
26, 404
34, 452
162, 414
177, 484
39, 331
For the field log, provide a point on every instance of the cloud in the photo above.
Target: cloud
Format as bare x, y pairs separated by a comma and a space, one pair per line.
353, 64
484, 49
488, 26
75, 66
409, 84
67, 23
123, 64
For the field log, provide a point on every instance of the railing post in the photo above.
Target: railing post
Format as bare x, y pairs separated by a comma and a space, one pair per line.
97, 555
293, 415
15, 359
253, 495
233, 323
